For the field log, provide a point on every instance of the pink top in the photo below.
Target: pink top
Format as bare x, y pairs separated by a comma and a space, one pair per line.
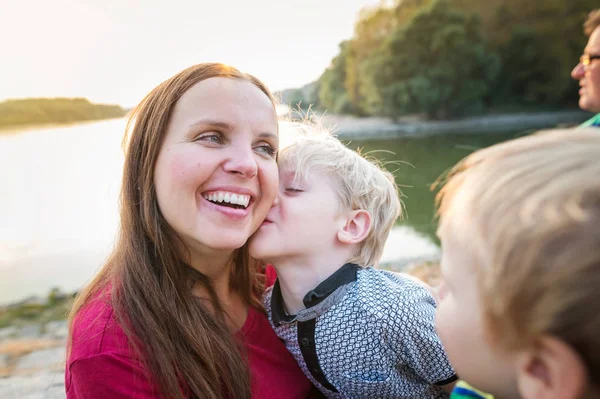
101, 364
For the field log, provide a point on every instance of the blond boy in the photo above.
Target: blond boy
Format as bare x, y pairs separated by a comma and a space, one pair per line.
355, 331
520, 231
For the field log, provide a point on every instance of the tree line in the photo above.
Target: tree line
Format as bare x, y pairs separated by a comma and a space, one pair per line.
54, 110
450, 58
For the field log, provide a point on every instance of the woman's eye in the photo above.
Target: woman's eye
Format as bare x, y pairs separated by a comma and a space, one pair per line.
210, 137
267, 149
293, 190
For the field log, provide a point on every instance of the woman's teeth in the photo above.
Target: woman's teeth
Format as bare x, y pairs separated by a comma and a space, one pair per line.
228, 198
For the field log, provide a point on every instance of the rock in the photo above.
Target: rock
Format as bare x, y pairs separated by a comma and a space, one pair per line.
8, 332
42, 359
46, 385
29, 331
3, 361
57, 329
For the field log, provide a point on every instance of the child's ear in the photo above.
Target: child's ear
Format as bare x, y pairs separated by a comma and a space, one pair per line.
552, 371
356, 228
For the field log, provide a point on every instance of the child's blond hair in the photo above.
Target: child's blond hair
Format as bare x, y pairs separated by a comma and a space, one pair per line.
362, 182
530, 209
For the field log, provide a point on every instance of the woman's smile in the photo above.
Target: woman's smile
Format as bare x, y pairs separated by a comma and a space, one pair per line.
232, 203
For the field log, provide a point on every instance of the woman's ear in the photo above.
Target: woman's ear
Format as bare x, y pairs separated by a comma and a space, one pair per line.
356, 228
553, 370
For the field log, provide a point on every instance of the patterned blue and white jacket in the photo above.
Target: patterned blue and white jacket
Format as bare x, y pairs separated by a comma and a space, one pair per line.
365, 333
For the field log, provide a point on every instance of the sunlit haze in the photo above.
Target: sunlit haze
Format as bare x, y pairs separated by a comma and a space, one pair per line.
116, 51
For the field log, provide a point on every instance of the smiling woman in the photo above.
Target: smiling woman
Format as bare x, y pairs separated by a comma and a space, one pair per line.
175, 312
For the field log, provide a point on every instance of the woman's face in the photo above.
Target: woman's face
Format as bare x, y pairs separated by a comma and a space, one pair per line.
216, 175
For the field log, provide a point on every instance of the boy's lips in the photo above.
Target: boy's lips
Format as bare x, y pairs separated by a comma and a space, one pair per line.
266, 222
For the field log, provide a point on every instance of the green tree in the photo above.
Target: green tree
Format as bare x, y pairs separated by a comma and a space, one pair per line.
332, 92
373, 27
438, 64
538, 41
370, 31
54, 296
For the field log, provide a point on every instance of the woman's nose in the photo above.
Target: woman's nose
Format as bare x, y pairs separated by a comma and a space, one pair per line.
276, 200
242, 161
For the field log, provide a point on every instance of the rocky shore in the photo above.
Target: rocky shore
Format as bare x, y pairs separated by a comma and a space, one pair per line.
349, 127
32, 359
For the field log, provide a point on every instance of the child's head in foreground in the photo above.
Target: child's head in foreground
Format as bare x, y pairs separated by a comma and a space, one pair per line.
332, 204
520, 229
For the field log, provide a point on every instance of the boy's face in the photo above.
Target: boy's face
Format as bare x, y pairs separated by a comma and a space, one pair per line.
303, 222
459, 320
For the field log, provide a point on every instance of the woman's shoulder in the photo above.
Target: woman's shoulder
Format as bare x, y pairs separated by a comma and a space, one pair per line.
101, 363
95, 331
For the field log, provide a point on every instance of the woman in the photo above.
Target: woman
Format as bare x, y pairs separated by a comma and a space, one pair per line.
176, 311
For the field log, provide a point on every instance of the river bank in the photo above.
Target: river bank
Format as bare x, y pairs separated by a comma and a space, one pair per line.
356, 128
32, 360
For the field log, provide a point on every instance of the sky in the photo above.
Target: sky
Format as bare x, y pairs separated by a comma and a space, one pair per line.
116, 51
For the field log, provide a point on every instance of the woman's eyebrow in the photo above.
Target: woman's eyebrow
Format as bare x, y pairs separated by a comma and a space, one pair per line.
227, 126
212, 123
267, 135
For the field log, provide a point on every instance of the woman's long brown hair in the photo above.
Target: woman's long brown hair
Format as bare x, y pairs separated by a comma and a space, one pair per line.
188, 351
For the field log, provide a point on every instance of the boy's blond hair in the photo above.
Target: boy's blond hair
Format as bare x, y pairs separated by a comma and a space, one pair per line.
532, 211
362, 182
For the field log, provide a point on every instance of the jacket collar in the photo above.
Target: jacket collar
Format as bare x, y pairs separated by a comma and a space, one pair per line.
344, 275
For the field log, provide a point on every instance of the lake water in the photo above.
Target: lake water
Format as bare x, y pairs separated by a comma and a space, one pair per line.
59, 190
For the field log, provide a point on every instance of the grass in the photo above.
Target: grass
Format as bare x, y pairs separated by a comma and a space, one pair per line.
27, 314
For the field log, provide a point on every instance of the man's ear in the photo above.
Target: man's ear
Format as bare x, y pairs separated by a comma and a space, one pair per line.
356, 228
553, 370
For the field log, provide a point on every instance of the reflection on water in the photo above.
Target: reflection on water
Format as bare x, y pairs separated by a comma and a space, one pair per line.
59, 190
418, 162
58, 205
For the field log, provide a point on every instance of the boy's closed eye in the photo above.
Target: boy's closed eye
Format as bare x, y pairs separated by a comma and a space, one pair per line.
293, 190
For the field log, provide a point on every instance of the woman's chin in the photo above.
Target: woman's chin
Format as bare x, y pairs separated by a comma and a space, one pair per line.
258, 248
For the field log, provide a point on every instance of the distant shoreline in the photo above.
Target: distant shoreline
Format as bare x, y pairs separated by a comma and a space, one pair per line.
31, 113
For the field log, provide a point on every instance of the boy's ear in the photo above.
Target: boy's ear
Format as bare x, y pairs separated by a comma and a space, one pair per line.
551, 371
356, 228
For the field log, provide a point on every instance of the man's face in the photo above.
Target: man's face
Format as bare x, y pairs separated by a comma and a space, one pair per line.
589, 75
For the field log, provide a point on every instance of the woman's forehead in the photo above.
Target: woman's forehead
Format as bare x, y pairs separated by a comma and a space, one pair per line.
226, 100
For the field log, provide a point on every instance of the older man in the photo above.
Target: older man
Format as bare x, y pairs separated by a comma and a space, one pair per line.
588, 70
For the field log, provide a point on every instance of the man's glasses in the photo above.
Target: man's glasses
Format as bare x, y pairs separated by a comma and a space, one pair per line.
586, 59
